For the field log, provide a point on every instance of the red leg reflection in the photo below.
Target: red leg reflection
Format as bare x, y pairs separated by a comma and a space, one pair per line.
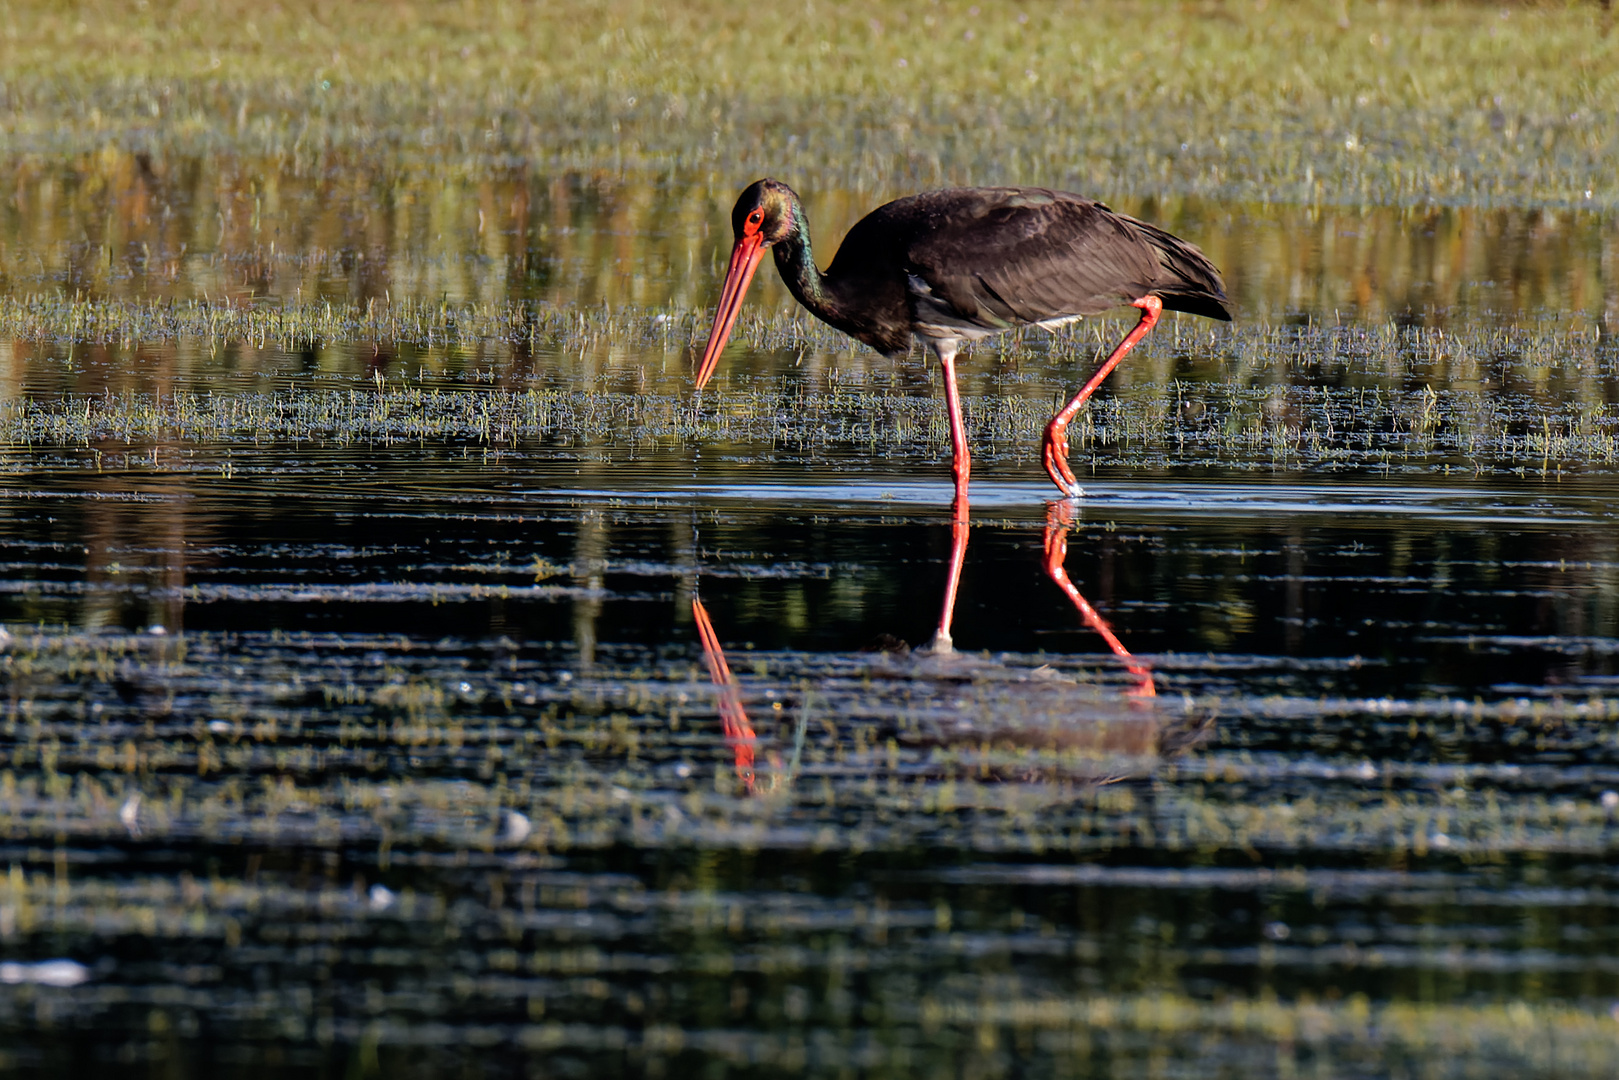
733, 720
942, 642
1060, 515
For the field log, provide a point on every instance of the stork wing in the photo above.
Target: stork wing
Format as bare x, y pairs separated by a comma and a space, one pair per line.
974, 261
990, 258
1002, 256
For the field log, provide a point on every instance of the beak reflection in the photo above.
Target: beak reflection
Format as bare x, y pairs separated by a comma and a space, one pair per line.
733, 718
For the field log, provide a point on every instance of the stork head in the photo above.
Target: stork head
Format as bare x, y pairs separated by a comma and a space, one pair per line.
765, 215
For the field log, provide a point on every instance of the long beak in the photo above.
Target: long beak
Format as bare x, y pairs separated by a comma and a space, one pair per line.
744, 261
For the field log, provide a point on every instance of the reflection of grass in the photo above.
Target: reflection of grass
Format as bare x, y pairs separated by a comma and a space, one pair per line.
1337, 101
386, 760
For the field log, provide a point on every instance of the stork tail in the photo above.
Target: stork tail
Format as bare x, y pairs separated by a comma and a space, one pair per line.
1190, 282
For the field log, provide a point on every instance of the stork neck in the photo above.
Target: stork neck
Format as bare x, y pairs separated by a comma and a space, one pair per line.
796, 263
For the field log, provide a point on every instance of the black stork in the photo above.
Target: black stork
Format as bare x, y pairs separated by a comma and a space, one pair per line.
965, 263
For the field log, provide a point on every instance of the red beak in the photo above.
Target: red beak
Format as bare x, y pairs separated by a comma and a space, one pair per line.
744, 261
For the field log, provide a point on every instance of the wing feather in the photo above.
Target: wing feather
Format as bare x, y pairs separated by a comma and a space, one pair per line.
1029, 256
979, 260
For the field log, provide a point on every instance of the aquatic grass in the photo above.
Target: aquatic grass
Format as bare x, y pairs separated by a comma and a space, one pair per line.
50, 317
1297, 429
1487, 400
1330, 102
1539, 349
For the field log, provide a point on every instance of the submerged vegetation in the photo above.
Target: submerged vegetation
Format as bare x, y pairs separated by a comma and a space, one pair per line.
1299, 429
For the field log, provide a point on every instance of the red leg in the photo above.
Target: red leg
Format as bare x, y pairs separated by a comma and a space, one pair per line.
1055, 446
942, 642
961, 465
733, 719
961, 458
1058, 517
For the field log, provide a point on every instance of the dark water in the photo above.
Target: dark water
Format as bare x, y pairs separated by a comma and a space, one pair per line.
1458, 590
403, 759
1368, 808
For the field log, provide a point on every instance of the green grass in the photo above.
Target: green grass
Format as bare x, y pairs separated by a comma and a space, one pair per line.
1339, 102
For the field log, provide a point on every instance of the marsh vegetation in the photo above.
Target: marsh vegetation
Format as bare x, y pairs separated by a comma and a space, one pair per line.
353, 499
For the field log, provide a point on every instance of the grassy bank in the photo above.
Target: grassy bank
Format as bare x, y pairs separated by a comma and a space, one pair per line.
1340, 101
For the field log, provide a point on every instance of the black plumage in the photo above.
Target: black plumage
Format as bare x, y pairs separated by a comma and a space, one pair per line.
997, 258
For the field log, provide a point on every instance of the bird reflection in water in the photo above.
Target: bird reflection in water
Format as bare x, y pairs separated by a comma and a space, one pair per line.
1018, 722
1059, 517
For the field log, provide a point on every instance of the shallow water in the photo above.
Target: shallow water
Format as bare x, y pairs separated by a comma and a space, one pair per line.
396, 754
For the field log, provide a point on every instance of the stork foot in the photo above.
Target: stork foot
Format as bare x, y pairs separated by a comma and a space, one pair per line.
1054, 452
